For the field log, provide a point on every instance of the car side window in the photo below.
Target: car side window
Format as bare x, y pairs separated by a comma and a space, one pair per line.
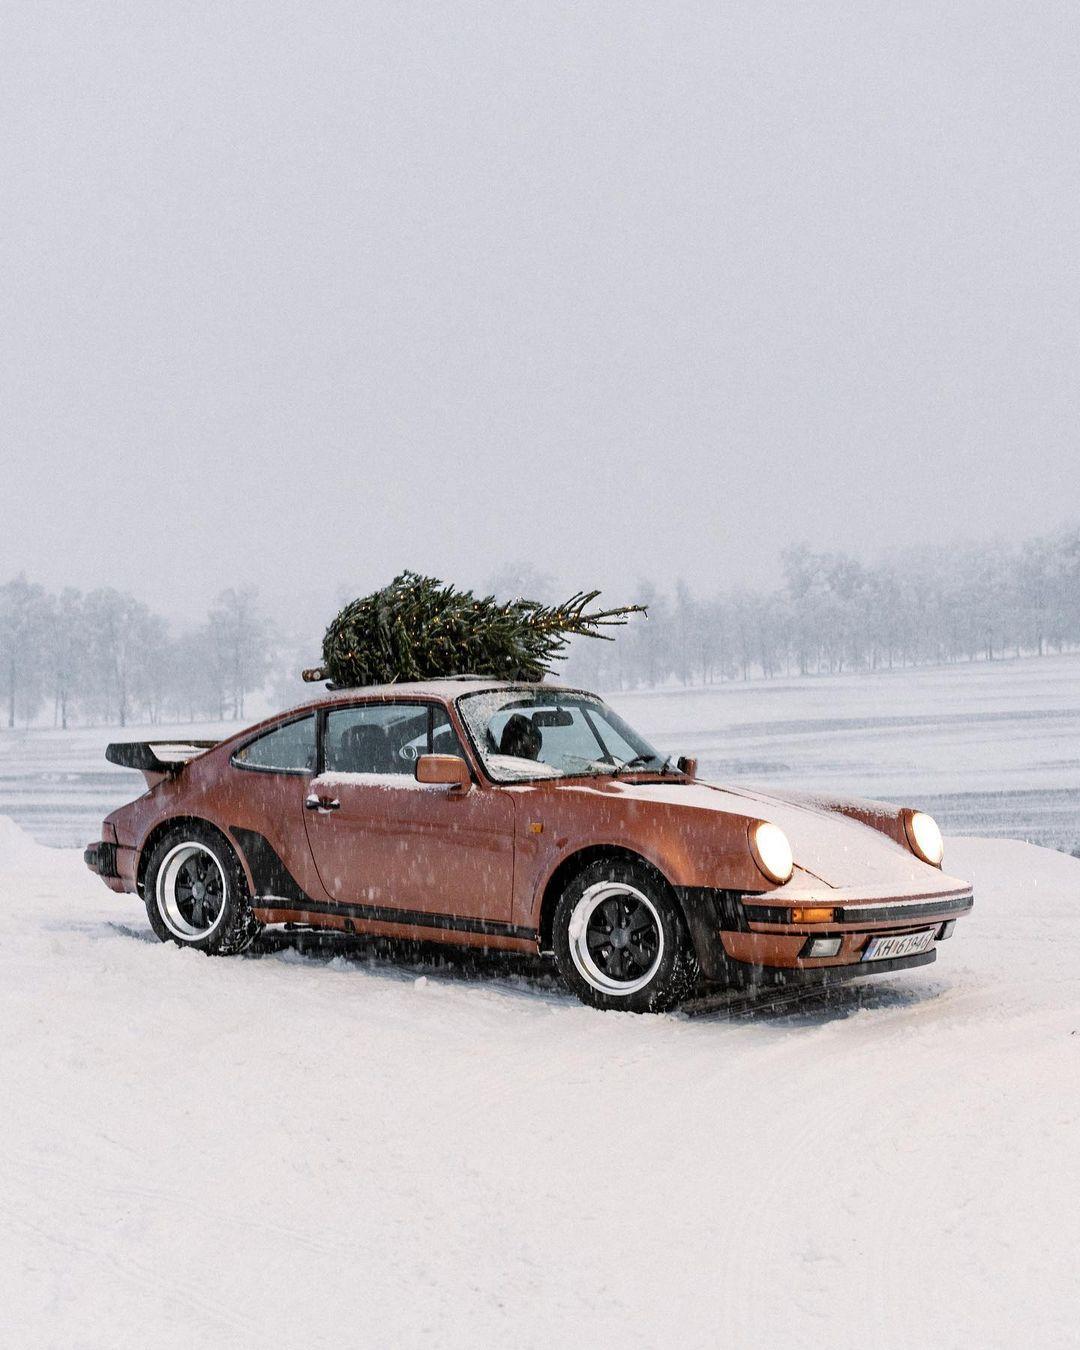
386, 738
286, 749
374, 738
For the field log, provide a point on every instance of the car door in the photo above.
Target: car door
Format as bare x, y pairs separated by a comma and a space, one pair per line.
382, 841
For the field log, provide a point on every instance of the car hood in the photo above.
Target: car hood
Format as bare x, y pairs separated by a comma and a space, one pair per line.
828, 847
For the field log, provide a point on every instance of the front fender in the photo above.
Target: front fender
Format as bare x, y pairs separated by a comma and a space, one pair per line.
689, 846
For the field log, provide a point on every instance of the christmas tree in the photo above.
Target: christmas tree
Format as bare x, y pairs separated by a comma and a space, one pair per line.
419, 628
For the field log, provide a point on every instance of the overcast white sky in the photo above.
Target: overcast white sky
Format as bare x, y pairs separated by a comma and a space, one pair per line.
304, 293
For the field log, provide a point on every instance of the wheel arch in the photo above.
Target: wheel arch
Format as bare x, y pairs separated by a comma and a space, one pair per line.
575, 863
164, 827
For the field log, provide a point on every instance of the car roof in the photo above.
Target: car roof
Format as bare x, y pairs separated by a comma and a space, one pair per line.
444, 690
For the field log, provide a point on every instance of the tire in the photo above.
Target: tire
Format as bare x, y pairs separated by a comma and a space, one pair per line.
196, 894
650, 964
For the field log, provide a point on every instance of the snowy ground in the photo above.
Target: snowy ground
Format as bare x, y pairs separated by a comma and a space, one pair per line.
989, 748
362, 1147
349, 1150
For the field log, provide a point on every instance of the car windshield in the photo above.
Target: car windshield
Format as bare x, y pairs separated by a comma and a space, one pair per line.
539, 733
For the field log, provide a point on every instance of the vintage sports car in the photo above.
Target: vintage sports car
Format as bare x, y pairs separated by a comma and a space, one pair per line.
527, 818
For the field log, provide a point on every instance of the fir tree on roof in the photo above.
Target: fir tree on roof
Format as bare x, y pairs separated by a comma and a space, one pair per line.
420, 628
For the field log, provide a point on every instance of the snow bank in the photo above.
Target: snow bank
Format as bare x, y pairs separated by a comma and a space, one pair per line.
16, 847
287, 1151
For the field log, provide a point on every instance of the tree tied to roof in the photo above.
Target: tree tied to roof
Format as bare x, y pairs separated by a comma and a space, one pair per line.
419, 628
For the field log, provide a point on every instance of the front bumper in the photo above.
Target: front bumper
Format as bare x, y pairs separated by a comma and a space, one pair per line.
784, 952
750, 940
920, 911
808, 977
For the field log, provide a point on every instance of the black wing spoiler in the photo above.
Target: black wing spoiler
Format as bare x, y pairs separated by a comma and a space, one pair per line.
160, 757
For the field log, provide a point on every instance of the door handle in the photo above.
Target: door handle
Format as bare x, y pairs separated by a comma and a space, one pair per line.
314, 803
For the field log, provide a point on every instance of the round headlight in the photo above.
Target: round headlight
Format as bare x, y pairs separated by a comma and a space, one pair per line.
771, 850
924, 837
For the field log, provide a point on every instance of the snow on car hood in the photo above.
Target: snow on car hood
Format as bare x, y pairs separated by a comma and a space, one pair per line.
832, 848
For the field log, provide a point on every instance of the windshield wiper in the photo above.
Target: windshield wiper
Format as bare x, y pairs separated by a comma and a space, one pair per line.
638, 762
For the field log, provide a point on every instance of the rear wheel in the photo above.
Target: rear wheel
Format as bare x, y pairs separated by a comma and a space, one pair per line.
196, 894
620, 940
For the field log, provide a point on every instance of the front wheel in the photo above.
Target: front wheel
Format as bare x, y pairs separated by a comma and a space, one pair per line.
196, 894
620, 939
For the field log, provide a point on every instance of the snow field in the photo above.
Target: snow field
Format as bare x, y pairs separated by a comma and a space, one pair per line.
348, 1150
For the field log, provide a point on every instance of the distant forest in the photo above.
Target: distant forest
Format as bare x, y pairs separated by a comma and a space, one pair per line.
834, 613
105, 657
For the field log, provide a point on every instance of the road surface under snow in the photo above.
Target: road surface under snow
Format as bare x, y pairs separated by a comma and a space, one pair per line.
356, 1149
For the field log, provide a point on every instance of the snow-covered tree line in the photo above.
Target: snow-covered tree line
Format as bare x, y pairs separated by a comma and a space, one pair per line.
834, 613
104, 656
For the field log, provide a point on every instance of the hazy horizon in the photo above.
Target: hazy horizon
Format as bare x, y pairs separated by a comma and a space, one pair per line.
299, 298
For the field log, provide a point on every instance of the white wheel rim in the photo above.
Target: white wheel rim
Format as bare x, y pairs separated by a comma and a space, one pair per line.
627, 948
184, 907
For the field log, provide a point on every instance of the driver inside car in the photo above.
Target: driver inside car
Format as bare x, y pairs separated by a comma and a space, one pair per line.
521, 738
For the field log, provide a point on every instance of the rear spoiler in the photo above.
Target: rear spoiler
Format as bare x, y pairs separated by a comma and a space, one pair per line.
159, 758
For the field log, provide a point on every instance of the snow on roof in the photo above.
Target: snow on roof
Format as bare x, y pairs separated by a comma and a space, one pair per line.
451, 687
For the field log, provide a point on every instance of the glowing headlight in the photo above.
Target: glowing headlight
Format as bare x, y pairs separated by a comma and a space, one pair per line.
771, 850
924, 837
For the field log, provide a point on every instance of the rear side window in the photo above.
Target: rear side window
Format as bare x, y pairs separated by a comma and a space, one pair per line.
286, 749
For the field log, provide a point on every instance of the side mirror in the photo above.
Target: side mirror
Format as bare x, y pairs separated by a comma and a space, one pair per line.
450, 770
687, 764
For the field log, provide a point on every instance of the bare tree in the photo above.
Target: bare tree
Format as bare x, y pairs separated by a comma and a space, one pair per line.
240, 636
122, 632
23, 626
67, 644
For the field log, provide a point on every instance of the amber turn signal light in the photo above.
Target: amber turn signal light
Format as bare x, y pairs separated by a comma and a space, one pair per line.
812, 914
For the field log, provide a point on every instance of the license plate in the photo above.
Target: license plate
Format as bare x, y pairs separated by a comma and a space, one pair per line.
898, 944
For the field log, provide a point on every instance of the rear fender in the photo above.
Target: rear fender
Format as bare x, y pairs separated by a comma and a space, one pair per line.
170, 823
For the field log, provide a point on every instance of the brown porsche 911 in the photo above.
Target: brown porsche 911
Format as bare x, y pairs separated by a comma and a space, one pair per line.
527, 818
